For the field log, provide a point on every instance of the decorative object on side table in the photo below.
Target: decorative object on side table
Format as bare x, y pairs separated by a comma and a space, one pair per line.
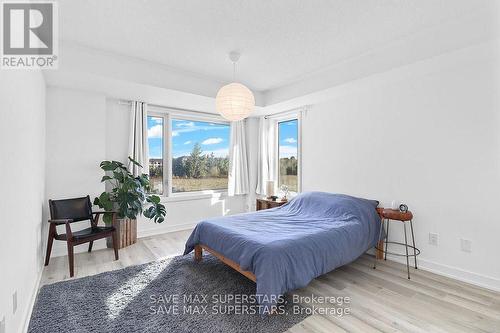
127, 197
402, 215
270, 188
265, 203
403, 208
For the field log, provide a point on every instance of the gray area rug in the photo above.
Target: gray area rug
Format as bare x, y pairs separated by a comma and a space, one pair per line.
176, 295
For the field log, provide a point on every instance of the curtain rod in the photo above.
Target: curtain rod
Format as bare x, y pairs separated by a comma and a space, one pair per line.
282, 113
125, 102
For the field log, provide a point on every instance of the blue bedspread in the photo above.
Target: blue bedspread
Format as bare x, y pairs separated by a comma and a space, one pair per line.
288, 246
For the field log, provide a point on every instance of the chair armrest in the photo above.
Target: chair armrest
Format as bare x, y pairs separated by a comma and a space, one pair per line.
95, 220
60, 221
67, 222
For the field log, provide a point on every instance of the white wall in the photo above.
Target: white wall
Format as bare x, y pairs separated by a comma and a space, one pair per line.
76, 144
117, 133
427, 135
22, 153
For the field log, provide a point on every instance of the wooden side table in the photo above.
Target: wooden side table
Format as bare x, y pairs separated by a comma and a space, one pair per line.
264, 203
395, 215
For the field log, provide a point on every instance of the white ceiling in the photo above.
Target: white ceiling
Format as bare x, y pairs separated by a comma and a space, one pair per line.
281, 41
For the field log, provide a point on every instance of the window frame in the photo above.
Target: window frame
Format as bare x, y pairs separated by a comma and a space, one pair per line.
281, 119
165, 119
169, 114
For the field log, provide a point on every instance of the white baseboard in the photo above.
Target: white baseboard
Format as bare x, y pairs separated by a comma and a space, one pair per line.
29, 308
164, 230
456, 273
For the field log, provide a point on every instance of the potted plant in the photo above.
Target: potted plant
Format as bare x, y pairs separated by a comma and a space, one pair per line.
128, 197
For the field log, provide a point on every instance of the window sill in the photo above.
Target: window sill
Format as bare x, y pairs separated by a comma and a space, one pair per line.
176, 197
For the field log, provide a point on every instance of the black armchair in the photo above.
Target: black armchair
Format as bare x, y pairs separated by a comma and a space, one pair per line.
68, 211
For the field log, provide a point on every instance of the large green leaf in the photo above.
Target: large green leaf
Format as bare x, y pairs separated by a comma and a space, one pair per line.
104, 201
156, 211
134, 161
144, 180
154, 199
118, 175
104, 178
110, 165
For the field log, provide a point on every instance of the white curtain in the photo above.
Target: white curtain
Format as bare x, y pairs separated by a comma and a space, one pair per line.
267, 159
138, 139
238, 165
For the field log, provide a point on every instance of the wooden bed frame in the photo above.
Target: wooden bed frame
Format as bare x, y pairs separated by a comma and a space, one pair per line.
198, 255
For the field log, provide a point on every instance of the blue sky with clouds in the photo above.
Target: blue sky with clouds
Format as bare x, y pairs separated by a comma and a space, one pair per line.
212, 137
288, 138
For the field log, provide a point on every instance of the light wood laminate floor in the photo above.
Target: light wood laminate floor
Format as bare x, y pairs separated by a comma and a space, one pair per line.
382, 300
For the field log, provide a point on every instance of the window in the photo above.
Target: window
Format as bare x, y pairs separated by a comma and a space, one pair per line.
200, 156
155, 147
198, 152
288, 154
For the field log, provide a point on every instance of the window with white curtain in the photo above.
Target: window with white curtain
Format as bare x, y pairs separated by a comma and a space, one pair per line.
187, 154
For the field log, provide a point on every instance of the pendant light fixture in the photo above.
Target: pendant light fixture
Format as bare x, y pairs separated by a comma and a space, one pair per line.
234, 101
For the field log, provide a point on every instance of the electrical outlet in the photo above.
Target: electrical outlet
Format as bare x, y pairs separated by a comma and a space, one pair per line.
14, 302
433, 238
2, 325
466, 245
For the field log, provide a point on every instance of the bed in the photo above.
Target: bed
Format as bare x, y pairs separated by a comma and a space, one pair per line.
286, 247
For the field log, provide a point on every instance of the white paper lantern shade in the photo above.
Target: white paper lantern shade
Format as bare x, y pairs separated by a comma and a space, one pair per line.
234, 101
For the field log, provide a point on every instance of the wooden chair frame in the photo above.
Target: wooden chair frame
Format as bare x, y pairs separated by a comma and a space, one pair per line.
71, 242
